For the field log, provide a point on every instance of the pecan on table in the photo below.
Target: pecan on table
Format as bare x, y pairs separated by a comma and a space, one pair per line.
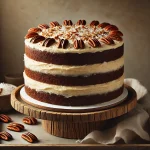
5, 118
29, 137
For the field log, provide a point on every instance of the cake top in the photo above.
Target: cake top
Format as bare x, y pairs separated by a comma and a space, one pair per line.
6, 89
74, 36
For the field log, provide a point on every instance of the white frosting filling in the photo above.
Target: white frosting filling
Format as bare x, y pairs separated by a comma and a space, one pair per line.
73, 70
69, 91
71, 49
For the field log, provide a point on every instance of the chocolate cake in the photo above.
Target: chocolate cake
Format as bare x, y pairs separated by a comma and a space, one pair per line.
74, 64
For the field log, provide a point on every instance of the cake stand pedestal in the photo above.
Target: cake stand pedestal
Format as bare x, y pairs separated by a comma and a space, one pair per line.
73, 125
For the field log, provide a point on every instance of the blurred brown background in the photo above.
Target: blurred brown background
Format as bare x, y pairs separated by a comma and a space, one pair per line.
131, 16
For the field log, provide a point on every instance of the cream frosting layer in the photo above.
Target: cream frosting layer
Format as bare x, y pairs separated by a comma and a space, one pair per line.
84, 70
71, 49
69, 91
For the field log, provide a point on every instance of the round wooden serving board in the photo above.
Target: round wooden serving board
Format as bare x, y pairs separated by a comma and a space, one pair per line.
73, 125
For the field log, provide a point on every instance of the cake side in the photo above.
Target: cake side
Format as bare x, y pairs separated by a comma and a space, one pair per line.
85, 70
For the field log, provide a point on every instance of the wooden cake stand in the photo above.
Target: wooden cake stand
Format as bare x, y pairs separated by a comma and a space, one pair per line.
73, 125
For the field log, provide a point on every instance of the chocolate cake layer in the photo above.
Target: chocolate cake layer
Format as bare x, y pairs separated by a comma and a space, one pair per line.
75, 81
73, 101
75, 58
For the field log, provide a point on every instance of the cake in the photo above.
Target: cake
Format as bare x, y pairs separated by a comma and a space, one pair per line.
74, 64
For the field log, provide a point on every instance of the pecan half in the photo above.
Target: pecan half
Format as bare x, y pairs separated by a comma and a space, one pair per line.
94, 43
54, 24
107, 40
102, 25
34, 30
67, 23
29, 120
94, 23
5, 136
110, 28
1, 90
116, 37
37, 39
81, 22
15, 127
115, 33
31, 35
48, 42
43, 26
29, 137
79, 44
63, 43
5, 118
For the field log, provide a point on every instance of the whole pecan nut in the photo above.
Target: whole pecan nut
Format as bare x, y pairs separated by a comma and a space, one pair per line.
29, 137
81, 22
34, 30
115, 33
5, 118
103, 25
1, 90
5, 136
94, 42
116, 37
54, 24
67, 23
15, 127
37, 39
107, 40
48, 42
31, 35
63, 43
79, 44
94, 23
110, 28
43, 26
30, 120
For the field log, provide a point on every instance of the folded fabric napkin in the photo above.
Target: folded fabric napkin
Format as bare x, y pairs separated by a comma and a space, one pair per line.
128, 126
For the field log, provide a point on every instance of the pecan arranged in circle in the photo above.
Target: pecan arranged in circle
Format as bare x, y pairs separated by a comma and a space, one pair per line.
54, 24
43, 26
107, 40
1, 90
103, 25
31, 35
48, 42
63, 43
30, 120
37, 39
81, 22
29, 137
110, 28
79, 44
94, 23
15, 127
115, 33
5, 136
34, 30
67, 23
116, 37
94, 42
5, 118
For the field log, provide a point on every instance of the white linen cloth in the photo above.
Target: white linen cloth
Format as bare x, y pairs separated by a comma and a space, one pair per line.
128, 126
